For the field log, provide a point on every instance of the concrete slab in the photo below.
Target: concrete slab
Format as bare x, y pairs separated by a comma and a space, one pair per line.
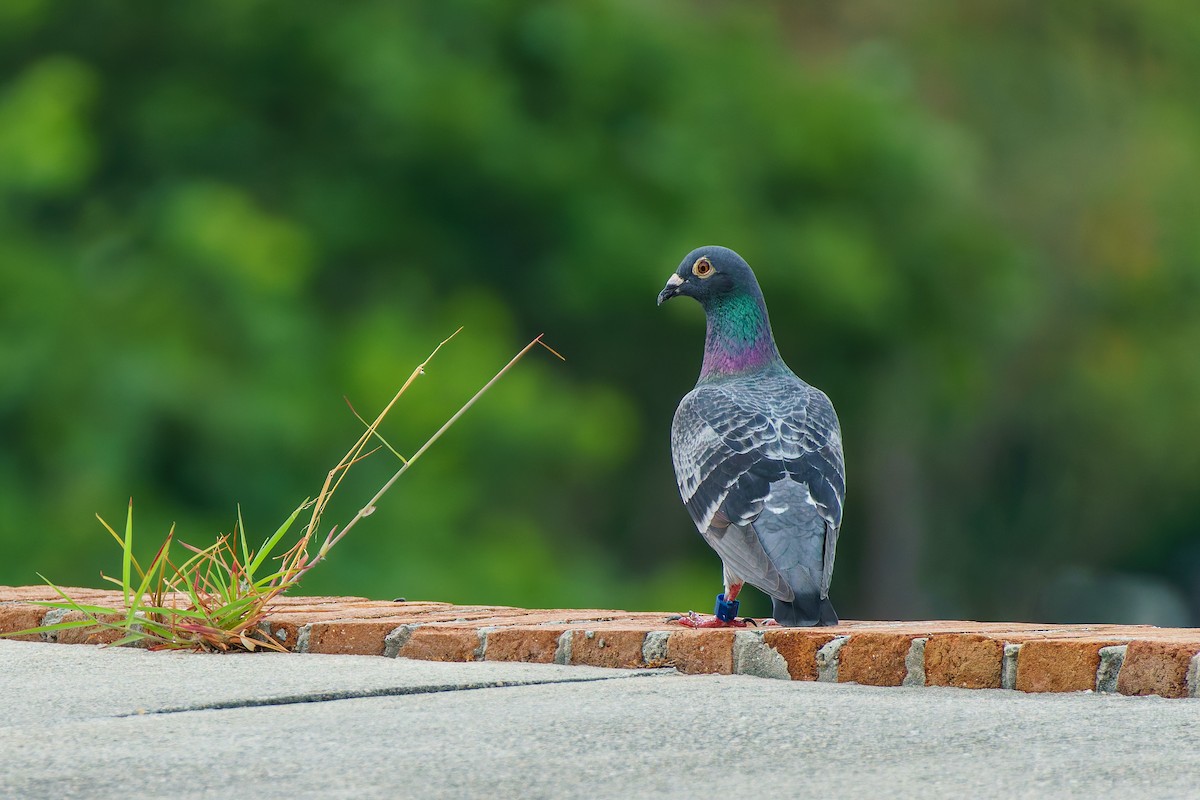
40, 682
610, 734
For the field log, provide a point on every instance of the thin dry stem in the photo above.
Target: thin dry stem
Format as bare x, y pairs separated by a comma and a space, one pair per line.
333, 538
352, 456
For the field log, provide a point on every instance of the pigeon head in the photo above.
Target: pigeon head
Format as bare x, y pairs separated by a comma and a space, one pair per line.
739, 337
710, 275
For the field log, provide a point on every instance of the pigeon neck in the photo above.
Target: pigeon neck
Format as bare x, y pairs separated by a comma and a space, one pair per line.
739, 337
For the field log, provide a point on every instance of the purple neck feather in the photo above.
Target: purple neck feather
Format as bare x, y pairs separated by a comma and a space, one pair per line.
739, 337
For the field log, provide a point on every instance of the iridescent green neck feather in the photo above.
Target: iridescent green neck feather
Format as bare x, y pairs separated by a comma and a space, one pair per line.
739, 337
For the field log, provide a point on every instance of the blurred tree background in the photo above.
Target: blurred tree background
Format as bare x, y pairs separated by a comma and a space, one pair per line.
975, 224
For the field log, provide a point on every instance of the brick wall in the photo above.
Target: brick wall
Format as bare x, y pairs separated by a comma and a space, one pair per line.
1129, 659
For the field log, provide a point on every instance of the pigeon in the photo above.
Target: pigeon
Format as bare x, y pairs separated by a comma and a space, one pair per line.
757, 453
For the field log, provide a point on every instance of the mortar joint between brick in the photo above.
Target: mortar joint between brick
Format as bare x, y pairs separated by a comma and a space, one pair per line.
1193, 676
753, 656
303, 634
914, 663
827, 659
1109, 668
562, 653
654, 647
53, 617
482, 633
1008, 665
276, 631
394, 642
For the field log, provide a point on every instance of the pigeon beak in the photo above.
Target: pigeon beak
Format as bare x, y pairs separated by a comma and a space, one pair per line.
671, 289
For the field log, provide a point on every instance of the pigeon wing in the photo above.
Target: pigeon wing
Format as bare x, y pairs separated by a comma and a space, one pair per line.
772, 445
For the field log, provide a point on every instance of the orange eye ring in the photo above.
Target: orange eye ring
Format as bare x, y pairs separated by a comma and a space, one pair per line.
703, 268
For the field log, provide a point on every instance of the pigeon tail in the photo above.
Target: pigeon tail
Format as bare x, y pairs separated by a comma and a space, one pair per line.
805, 611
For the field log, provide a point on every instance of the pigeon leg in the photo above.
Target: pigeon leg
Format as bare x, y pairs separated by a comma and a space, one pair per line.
725, 615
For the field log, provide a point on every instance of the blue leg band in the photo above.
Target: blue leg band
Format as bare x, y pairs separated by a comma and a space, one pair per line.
726, 610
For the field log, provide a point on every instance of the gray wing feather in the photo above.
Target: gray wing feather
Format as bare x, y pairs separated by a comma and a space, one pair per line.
759, 466
743, 554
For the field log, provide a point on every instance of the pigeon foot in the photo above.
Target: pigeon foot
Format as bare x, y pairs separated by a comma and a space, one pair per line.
694, 620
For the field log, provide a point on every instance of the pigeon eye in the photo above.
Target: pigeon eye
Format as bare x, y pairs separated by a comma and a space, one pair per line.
703, 268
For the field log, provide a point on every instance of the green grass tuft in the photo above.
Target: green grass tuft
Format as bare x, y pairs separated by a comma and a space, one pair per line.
215, 599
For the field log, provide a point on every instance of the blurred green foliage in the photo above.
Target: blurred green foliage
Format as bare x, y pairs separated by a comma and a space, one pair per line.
975, 226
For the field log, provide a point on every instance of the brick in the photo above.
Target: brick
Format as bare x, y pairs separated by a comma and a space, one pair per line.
351, 610
927, 628
287, 599
442, 644
331, 612
9, 594
19, 617
531, 645
91, 634
587, 620
702, 651
874, 659
286, 632
648, 620
799, 647
555, 618
611, 647
618, 625
965, 660
1059, 665
1176, 635
16, 594
1156, 668
351, 637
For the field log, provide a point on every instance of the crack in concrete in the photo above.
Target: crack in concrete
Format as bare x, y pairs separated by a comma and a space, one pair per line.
396, 691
